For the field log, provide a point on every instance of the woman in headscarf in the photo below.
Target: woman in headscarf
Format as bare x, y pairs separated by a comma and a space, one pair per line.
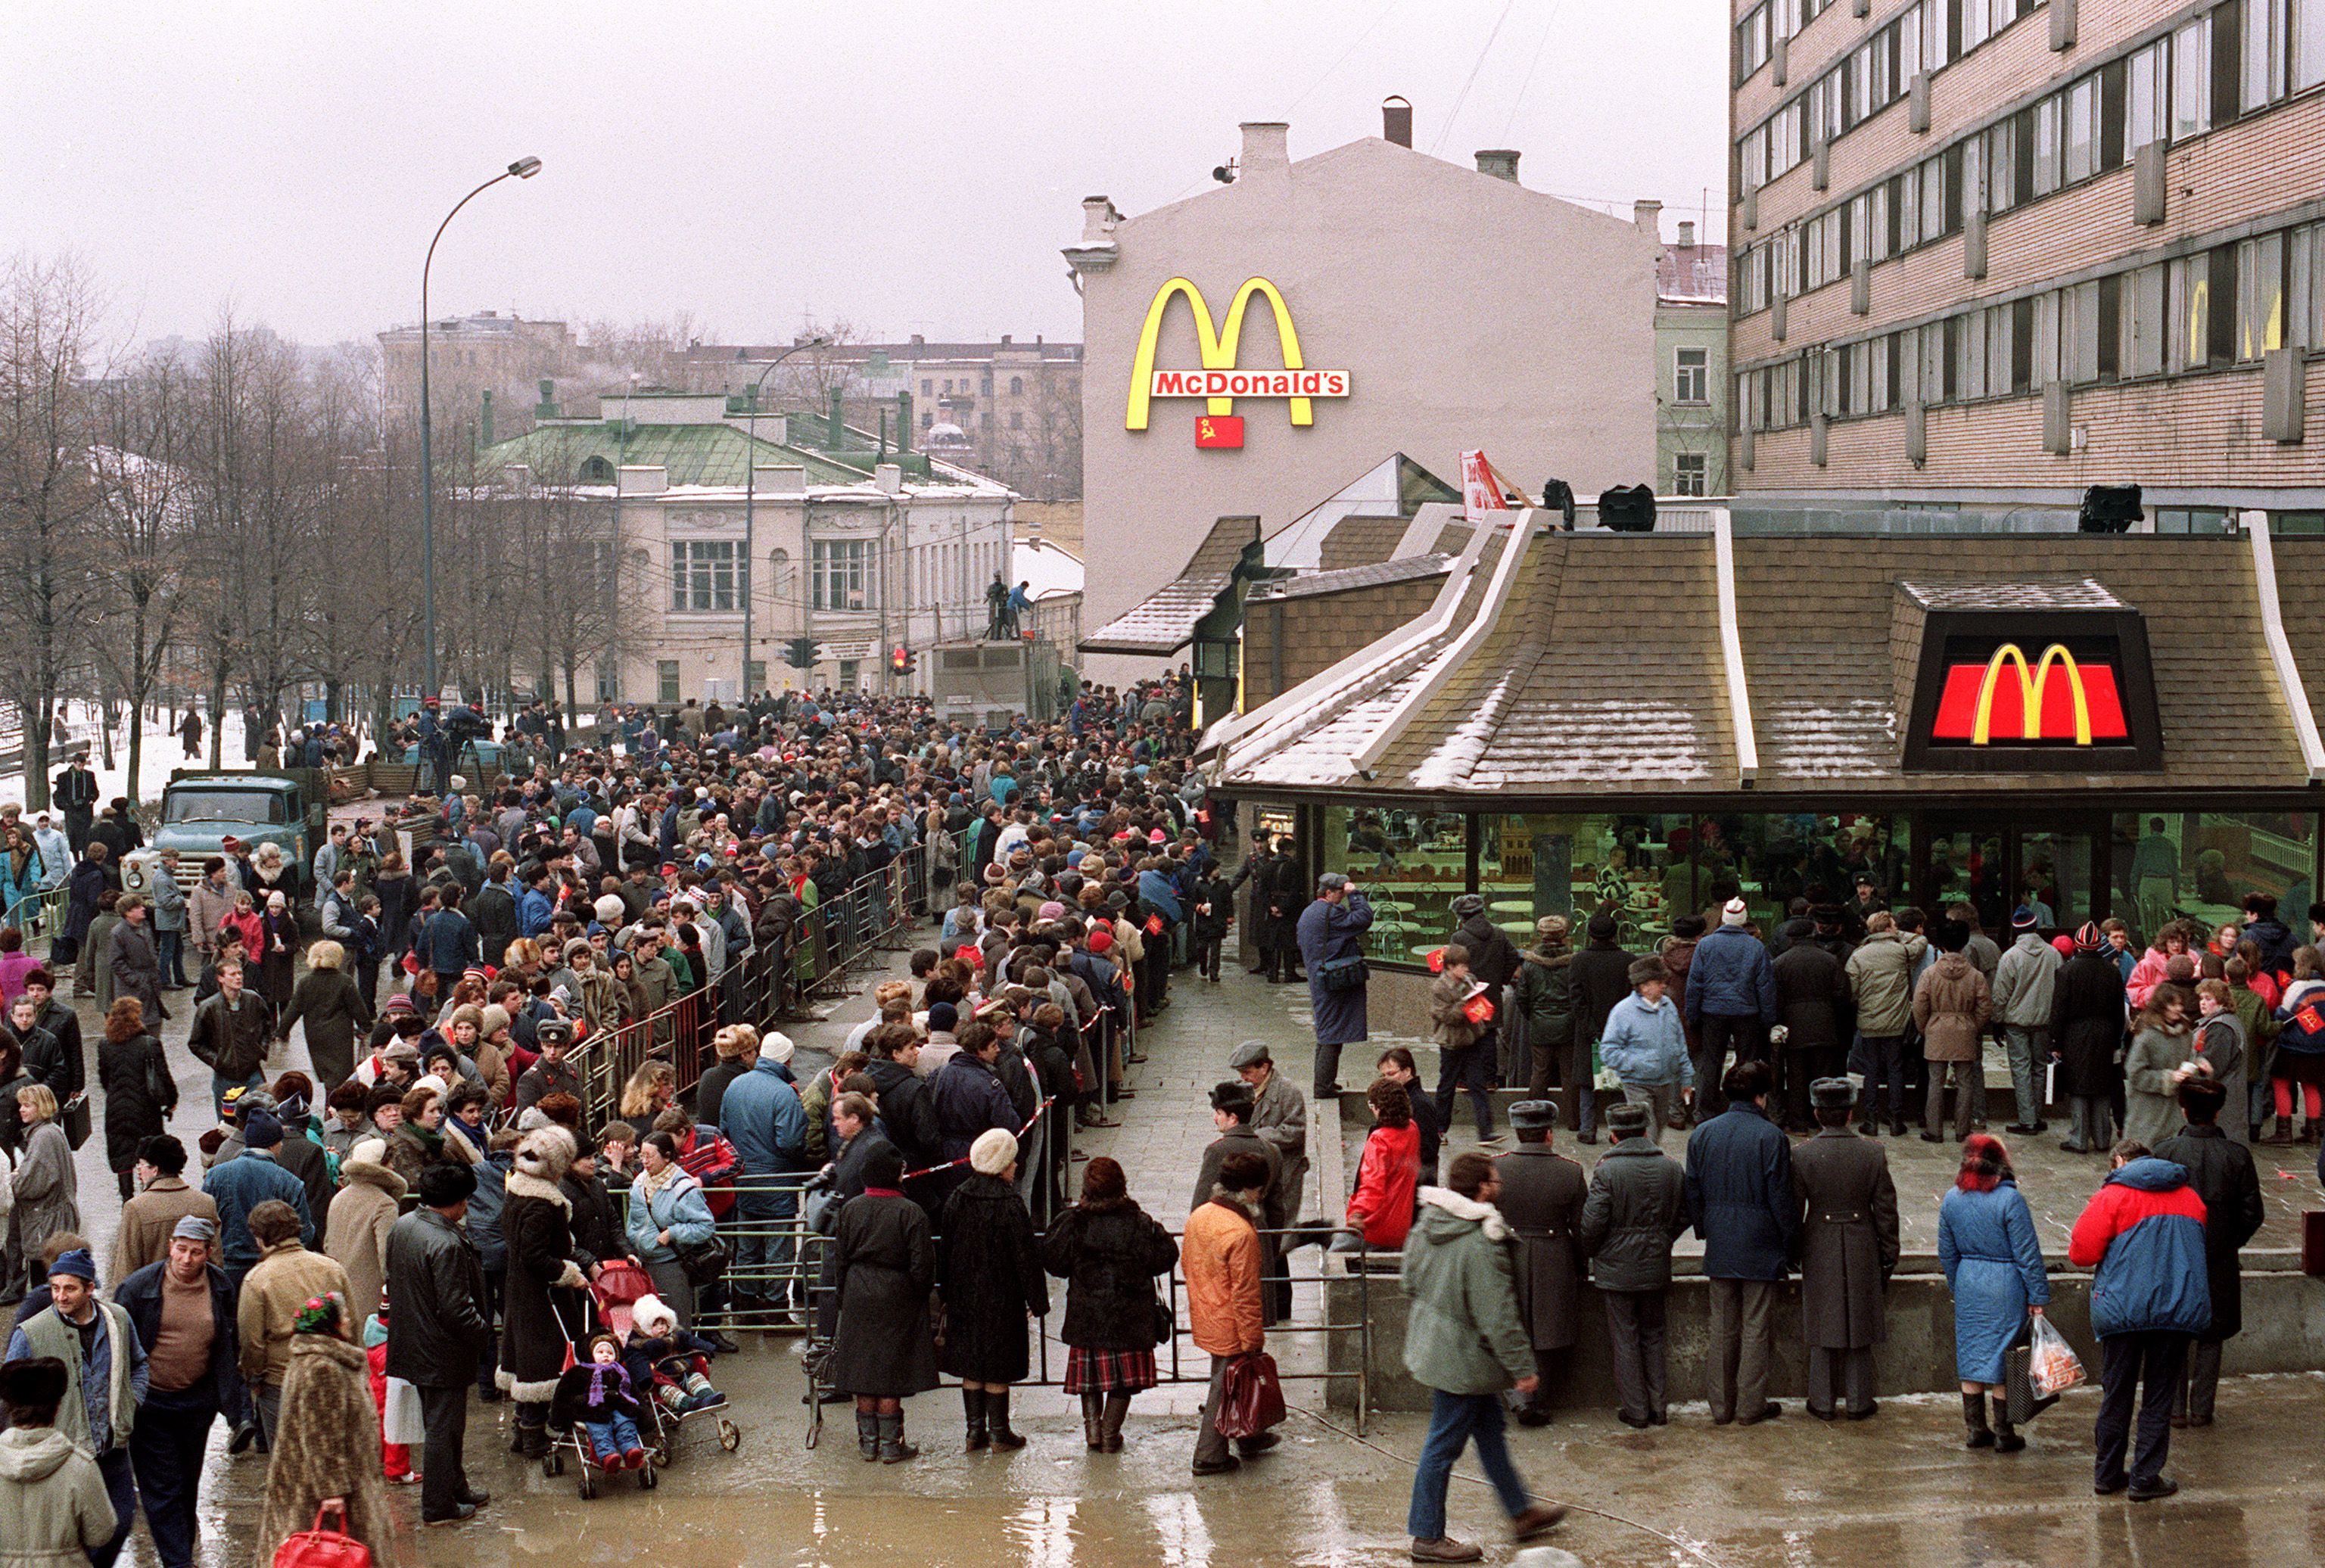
1993, 1261
326, 1463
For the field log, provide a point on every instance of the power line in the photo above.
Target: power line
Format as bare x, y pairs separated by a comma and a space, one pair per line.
1343, 60
1459, 97
1547, 22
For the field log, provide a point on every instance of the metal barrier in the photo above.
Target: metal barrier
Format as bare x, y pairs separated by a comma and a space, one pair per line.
39, 917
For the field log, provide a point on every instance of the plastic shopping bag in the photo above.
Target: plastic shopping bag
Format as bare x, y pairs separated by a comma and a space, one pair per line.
2053, 1368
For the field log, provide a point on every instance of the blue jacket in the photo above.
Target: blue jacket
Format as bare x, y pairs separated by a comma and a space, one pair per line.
449, 943
970, 1097
1156, 891
1732, 977
679, 1207
1994, 1266
1327, 932
533, 911
761, 1115
1739, 1194
2143, 1234
140, 1295
487, 1206
1647, 1045
241, 1184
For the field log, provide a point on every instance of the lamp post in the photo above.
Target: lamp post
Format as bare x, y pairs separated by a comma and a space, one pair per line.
522, 169
750, 490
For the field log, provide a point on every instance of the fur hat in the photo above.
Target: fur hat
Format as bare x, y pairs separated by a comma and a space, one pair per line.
1649, 968
610, 911
546, 1153
652, 1316
1625, 1120
36, 1381
372, 1150
992, 1153
491, 1021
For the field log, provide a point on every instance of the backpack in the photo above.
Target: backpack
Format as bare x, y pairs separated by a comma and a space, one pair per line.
714, 1162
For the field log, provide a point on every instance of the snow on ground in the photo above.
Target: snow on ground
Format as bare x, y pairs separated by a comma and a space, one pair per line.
163, 752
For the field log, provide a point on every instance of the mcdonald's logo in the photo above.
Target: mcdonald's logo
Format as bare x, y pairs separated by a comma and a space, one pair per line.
2083, 705
1219, 379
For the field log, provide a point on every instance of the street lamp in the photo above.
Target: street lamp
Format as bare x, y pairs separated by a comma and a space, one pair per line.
750, 490
522, 169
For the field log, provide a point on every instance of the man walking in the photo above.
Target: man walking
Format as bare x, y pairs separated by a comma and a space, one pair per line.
1740, 1200
183, 1310
2222, 1174
2025, 985
76, 797
1465, 1342
107, 1366
1331, 937
1541, 1199
1731, 1000
274, 1293
1636, 1208
1847, 1248
436, 1329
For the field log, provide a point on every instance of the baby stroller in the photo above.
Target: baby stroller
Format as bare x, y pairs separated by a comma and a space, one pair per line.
653, 1319
619, 1285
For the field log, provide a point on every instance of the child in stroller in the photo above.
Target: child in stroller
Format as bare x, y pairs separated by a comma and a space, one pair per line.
595, 1394
674, 1363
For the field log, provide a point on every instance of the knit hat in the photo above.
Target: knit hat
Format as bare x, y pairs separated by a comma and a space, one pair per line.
943, 1015
261, 1130
1734, 912
776, 1046
610, 910
75, 1263
2022, 919
372, 1150
2087, 936
1101, 939
401, 1002
577, 944
994, 1152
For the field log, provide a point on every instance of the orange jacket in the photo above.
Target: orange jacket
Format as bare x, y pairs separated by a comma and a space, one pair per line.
1220, 1253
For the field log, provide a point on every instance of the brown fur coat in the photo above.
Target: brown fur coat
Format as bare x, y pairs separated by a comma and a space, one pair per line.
329, 1447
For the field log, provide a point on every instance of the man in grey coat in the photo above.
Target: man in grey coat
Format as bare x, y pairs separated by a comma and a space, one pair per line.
1635, 1209
1542, 1201
2023, 984
1847, 1249
137, 970
1279, 1116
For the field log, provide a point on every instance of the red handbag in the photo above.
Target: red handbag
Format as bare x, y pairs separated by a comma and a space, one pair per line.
1253, 1399
323, 1547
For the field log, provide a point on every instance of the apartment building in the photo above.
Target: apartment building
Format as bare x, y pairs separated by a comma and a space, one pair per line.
1987, 253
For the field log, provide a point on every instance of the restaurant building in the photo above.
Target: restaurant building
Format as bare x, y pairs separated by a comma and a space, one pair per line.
1650, 724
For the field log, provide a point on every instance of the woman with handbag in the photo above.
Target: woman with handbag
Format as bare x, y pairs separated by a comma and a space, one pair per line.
668, 1215
1993, 1260
1109, 1251
325, 1478
139, 1091
990, 1274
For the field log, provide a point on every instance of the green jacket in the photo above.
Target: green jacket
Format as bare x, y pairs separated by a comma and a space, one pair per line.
117, 1377
1462, 1333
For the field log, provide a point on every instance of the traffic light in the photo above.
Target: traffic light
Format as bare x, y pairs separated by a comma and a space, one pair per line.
902, 660
800, 653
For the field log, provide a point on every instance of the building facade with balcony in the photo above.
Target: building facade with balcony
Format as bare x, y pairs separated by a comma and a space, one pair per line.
1691, 368
1987, 253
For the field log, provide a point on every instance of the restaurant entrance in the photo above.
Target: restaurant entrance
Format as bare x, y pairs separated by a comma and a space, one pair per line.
1993, 862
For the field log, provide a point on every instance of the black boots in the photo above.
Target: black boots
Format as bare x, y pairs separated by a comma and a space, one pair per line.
1109, 1423
894, 1448
1981, 1436
1093, 1412
996, 1409
2005, 1436
867, 1437
972, 1401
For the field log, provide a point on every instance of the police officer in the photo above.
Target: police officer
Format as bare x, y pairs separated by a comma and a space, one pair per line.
1542, 1199
1847, 1249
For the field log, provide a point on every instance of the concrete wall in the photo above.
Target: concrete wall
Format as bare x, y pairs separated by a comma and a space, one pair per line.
1468, 311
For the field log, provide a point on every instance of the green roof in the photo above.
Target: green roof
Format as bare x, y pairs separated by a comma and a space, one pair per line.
693, 454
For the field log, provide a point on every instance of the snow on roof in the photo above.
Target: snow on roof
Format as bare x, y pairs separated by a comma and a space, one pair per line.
1050, 567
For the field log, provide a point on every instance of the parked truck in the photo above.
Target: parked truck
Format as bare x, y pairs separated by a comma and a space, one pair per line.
288, 808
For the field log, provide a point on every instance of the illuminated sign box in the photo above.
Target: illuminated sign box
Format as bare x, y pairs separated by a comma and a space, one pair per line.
2033, 692
1219, 379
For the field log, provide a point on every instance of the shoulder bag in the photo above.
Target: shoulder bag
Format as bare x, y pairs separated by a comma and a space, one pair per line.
1343, 974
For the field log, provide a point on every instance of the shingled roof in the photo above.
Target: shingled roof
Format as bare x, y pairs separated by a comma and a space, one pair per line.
1164, 621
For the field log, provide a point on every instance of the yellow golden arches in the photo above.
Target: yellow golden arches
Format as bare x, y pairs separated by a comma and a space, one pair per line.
1216, 344
2031, 686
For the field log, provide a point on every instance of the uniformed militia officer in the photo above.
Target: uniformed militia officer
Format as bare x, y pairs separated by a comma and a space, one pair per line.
1847, 1246
1542, 1203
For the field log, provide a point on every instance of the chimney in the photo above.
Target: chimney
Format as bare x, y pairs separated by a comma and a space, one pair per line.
547, 407
779, 479
1501, 163
1098, 218
1649, 217
485, 424
838, 426
904, 421
1266, 151
1397, 119
888, 478
1005, 339
1687, 234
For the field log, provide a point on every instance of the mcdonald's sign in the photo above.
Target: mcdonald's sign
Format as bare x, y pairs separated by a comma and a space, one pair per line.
1220, 380
2064, 691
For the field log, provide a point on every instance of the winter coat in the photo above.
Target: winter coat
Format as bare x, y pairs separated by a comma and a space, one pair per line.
356, 1235
148, 1218
1221, 1257
61, 1062
884, 1266
230, 1039
139, 1294
1731, 977
135, 969
1388, 1173
436, 1326
2221, 1173
1951, 1009
1236, 1140
1279, 1118
1450, 1026
1847, 1243
1463, 1332
543, 1303
1276, 899
46, 1190
1601, 974
2087, 1024
207, 908
1635, 1209
447, 942
1326, 931
129, 1070
1739, 1194
1993, 1261
1543, 1194
1645, 1044
286, 1278
1109, 1258
326, 1446
2142, 1233
54, 1510
597, 1231
989, 1273
333, 1008
241, 1183
970, 1099
2150, 1095
2218, 1044
908, 1110
492, 912
2026, 983
1812, 998
1493, 957
1881, 978
761, 1115
677, 1205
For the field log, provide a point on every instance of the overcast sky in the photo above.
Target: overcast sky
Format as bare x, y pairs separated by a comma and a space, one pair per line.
903, 167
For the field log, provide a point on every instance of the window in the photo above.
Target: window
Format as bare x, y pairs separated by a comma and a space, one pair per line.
2192, 78
2146, 120
597, 471
1016, 386
2143, 323
2079, 320
2305, 312
702, 575
836, 572
2264, 52
2189, 301
755, 676
1751, 44
1016, 420
2308, 28
1689, 474
2082, 129
928, 388
666, 680
2260, 296
1691, 375
2046, 146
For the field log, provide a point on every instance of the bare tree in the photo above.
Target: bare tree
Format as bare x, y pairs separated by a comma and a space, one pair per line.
49, 493
143, 533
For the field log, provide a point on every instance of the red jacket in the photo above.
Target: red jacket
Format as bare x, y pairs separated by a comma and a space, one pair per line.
1387, 1175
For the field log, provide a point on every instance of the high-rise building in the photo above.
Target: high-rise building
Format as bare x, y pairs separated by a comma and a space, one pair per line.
1987, 253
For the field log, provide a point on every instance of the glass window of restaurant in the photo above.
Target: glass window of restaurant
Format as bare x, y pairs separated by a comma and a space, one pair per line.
2187, 865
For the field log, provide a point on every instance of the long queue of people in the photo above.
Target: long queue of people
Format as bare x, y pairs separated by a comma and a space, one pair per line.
414, 1219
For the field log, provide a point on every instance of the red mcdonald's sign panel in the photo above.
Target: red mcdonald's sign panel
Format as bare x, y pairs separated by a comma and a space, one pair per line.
2004, 700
